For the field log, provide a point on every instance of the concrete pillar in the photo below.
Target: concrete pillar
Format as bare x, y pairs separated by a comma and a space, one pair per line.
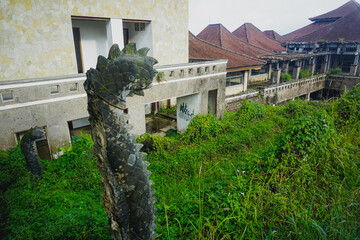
312, 68
276, 76
296, 71
114, 32
324, 65
308, 97
58, 135
246, 79
270, 71
187, 108
353, 69
285, 67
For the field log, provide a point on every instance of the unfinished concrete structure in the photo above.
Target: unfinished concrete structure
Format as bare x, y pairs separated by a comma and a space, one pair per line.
44, 57
56, 102
292, 63
337, 33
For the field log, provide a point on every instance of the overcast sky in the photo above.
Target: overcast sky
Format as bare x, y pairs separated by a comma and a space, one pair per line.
283, 16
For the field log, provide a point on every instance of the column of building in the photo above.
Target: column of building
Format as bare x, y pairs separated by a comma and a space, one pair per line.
276, 74
312, 66
296, 70
354, 67
324, 65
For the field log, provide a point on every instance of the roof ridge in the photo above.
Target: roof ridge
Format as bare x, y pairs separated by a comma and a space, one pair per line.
221, 42
234, 36
246, 33
240, 54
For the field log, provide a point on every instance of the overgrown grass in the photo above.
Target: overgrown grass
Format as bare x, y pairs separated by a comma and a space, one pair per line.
283, 172
64, 204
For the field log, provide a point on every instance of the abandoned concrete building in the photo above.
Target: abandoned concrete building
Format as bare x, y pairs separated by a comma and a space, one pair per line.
218, 35
239, 66
336, 32
48, 46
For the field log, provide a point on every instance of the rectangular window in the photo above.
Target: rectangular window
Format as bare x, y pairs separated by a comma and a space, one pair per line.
73, 87
7, 96
54, 89
139, 27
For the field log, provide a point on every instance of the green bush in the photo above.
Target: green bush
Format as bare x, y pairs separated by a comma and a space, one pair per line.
64, 204
335, 70
285, 77
304, 73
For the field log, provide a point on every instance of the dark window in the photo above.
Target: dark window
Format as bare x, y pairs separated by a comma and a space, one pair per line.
77, 43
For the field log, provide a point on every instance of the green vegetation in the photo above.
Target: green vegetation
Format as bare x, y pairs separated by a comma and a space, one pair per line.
335, 70
304, 73
64, 204
283, 172
285, 77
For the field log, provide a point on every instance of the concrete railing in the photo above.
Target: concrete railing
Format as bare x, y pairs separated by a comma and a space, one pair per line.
289, 90
341, 82
21, 92
52, 102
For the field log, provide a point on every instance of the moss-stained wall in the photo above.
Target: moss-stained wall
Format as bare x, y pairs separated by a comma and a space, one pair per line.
36, 37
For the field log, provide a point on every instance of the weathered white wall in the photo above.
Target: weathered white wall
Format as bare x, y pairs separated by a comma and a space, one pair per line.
186, 109
141, 38
93, 41
37, 40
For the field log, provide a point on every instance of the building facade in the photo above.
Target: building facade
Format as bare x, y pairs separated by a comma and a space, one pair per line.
47, 47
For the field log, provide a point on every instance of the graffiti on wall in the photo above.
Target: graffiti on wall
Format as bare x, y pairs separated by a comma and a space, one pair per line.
185, 113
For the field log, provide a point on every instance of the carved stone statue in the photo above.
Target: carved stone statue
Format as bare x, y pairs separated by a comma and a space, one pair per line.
127, 197
27, 148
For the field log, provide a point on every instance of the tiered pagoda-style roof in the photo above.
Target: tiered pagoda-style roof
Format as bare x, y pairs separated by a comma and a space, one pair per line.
328, 22
218, 35
251, 34
202, 50
345, 29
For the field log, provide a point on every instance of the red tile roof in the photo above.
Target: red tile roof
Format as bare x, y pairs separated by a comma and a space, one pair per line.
342, 11
304, 31
199, 49
324, 23
346, 28
251, 34
218, 35
274, 35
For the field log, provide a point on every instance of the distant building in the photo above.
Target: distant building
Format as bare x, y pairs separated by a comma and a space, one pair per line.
218, 35
336, 32
238, 66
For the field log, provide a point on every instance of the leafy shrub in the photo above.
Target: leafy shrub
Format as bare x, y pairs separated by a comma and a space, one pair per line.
201, 128
304, 73
285, 77
64, 204
335, 70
